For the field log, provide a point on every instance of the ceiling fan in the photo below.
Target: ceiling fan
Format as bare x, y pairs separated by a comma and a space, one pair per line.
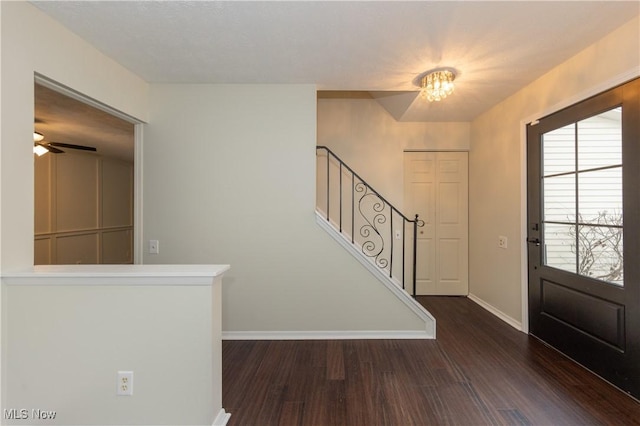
40, 147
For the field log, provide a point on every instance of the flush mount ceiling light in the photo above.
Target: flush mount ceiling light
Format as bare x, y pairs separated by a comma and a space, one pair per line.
437, 85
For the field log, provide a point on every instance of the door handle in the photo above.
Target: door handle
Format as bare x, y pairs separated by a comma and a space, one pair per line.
535, 241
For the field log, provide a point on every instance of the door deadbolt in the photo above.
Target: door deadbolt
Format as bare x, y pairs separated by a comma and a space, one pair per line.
535, 241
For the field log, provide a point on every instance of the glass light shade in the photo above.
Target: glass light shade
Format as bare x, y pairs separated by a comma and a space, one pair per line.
437, 85
37, 137
39, 150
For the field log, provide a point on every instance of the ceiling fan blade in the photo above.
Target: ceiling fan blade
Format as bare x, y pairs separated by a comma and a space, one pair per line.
72, 146
51, 149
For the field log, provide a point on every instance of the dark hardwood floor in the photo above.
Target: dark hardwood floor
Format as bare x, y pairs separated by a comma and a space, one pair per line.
479, 371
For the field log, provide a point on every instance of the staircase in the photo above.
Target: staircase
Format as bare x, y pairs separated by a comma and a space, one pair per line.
375, 232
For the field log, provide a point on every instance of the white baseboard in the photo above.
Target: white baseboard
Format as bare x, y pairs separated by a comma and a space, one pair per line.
222, 418
495, 311
326, 335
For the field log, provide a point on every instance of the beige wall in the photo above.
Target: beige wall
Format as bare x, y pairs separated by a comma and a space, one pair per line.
32, 43
77, 337
229, 176
44, 46
366, 137
497, 162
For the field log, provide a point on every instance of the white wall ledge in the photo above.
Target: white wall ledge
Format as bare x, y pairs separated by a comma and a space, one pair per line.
116, 275
163, 321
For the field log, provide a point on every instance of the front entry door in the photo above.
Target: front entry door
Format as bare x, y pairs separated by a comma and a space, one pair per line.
436, 188
584, 233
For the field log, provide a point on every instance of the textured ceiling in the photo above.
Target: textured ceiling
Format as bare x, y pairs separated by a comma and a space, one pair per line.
60, 118
496, 47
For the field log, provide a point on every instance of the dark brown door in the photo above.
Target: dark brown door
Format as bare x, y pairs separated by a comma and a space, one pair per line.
584, 233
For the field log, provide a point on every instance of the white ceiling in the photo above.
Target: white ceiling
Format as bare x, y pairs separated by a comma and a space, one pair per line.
496, 47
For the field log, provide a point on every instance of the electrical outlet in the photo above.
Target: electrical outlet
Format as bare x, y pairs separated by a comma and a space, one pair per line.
154, 246
502, 242
125, 383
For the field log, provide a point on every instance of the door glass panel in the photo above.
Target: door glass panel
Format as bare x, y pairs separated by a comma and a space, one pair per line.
600, 197
600, 140
600, 253
590, 206
560, 246
559, 148
559, 198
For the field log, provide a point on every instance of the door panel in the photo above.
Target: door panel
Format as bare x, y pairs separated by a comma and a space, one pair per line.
425, 267
597, 318
449, 206
584, 222
420, 187
436, 186
450, 253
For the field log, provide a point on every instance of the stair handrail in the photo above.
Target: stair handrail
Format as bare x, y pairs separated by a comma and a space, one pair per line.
416, 221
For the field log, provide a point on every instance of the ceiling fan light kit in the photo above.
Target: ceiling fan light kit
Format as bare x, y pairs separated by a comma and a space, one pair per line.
437, 85
40, 148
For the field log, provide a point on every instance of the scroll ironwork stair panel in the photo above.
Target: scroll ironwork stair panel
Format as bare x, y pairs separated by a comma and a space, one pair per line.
363, 217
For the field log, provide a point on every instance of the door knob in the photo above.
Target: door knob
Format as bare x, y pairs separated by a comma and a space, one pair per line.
535, 241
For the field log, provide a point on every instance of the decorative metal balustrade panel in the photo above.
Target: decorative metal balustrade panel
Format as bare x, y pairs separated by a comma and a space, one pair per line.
381, 232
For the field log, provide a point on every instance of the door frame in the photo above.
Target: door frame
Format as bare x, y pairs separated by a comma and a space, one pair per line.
138, 244
532, 118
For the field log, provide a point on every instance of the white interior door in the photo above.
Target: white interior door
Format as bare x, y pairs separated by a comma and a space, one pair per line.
436, 188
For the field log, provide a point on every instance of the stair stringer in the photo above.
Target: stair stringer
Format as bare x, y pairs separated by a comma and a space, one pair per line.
391, 284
